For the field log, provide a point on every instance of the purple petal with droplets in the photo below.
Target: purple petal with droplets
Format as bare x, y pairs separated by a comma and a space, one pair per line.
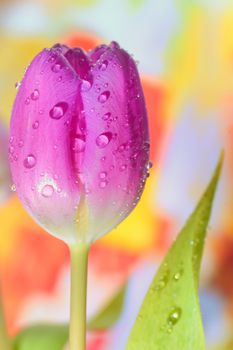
83, 164
44, 174
118, 145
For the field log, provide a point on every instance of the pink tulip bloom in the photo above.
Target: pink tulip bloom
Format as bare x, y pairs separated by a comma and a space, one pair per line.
79, 140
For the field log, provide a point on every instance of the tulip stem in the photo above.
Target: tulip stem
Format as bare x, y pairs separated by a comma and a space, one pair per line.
4, 340
79, 262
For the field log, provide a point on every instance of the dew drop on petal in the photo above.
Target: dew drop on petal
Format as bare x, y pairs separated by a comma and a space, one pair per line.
123, 167
13, 188
82, 124
78, 143
149, 165
56, 68
106, 116
11, 149
35, 125
47, 191
29, 161
27, 101
103, 184
17, 85
104, 96
21, 143
58, 110
102, 175
85, 86
103, 139
103, 66
35, 95
114, 45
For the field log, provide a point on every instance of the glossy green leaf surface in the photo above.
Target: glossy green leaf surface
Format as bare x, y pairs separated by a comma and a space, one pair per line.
170, 316
38, 337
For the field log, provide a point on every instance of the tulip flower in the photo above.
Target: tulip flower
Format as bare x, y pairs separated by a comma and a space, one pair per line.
80, 145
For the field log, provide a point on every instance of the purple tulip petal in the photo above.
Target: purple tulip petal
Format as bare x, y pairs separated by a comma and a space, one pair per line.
117, 141
96, 53
80, 63
42, 167
80, 141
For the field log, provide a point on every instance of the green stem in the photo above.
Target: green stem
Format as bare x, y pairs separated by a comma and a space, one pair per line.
4, 340
79, 261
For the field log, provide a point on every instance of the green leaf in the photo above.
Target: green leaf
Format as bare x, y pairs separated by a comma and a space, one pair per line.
170, 316
38, 337
108, 316
54, 337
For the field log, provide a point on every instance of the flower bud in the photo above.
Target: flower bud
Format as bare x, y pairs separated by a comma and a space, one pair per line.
79, 129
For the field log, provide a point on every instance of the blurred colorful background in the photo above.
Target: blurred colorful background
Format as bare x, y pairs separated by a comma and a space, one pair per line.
184, 51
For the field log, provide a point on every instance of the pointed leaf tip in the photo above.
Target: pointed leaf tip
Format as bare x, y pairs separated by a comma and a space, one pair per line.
170, 316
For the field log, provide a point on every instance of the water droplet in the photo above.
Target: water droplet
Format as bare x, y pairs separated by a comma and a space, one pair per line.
104, 96
11, 149
86, 85
13, 188
102, 175
27, 101
35, 95
11, 139
78, 143
29, 161
17, 85
20, 144
56, 67
103, 184
146, 146
103, 159
58, 110
162, 281
103, 139
194, 242
41, 111
47, 191
114, 45
123, 167
82, 124
106, 116
174, 316
35, 125
87, 190
178, 275
121, 148
103, 66
149, 165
